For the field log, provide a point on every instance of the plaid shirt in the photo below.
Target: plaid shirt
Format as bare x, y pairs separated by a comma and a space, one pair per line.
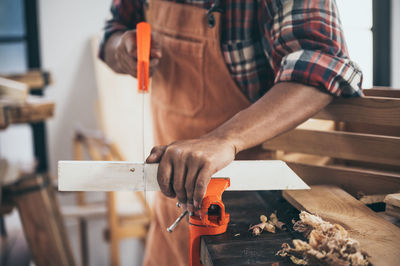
270, 41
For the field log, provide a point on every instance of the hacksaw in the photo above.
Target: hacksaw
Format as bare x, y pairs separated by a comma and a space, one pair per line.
143, 41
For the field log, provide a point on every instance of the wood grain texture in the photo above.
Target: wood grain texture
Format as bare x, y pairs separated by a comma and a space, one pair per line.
393, 211
376, 110
112, 176
353, 180
378, 237
14, 90
237, 246
35, 109
382, 92
42, 222
342, 145
393, 199
34, 79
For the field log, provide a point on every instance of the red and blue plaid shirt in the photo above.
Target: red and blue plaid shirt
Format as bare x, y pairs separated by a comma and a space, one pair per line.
270, 41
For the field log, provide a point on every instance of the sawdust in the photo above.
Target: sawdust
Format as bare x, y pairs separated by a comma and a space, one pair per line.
267, 225
328, 244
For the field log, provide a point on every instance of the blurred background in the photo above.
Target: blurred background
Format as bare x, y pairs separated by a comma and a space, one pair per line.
56, 43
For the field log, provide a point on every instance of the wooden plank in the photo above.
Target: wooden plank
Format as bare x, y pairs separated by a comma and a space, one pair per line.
353, 180
3, 118
42, 221
34, 110
392, 211
34, 79
13, 90
342, 145
375, 110
112, 176
378, 237
382, 92
393, 199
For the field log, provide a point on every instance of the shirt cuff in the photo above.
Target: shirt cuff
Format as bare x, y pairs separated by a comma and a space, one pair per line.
336, 75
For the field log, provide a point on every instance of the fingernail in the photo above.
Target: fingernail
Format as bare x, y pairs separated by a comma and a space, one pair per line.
190, 207
196, 204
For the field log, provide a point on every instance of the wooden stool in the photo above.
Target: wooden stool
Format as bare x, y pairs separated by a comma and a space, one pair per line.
119, 226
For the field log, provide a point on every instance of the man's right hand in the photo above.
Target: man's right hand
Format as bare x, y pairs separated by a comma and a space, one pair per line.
121, 52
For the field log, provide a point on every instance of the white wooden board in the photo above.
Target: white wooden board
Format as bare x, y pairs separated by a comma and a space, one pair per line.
114, 176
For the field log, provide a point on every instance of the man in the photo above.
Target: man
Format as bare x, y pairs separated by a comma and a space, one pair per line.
225, 78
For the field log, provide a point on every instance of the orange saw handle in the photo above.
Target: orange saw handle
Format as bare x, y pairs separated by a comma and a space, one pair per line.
143, 38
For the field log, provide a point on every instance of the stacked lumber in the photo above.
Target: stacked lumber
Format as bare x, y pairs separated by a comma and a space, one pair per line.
13, 90
17, 106
34, 79
34, 109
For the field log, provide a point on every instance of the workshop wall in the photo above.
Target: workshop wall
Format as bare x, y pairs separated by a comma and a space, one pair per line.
66, 28
66, 31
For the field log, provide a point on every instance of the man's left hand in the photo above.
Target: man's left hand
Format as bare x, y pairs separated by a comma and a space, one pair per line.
186, 167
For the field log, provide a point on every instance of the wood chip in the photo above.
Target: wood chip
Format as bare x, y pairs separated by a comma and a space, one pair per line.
328, 244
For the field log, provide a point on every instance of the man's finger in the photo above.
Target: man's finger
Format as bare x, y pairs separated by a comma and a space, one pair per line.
179, 179
131, 45
156, 154
164, 175
190, 182
200, 188
130, 66
155, 51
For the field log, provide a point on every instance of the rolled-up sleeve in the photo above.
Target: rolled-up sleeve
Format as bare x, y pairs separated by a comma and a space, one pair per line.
304, 42
125, 14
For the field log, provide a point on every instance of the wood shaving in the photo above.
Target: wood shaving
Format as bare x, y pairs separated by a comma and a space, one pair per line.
266, 225
274, 220
328, 244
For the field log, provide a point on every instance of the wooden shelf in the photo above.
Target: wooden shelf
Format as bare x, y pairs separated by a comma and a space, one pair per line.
35, 109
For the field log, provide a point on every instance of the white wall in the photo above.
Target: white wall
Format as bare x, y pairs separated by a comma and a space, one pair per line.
66, 29
356, 17
395, 44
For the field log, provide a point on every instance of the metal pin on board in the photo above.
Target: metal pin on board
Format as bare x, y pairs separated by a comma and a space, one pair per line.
172, 227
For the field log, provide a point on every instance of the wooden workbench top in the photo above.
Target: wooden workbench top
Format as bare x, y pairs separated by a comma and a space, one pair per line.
245, 208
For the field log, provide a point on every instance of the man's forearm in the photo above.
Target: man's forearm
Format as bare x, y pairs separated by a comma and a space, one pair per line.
284, 107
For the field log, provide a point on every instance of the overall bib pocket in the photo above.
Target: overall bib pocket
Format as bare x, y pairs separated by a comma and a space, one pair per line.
181, 66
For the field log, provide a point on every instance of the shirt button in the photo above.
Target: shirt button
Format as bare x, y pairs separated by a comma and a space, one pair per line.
211, 20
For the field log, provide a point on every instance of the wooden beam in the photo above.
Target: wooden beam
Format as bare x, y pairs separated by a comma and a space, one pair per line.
375, 110
393, 199
378, 237
341, 145
42, 222
354, 181
382, 92
13, 90
33, 110
34, 79
113, 176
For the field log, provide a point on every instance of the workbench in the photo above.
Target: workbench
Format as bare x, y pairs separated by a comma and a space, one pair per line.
237, 246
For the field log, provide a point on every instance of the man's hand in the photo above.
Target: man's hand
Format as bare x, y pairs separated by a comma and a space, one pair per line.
121, 52
186, 167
